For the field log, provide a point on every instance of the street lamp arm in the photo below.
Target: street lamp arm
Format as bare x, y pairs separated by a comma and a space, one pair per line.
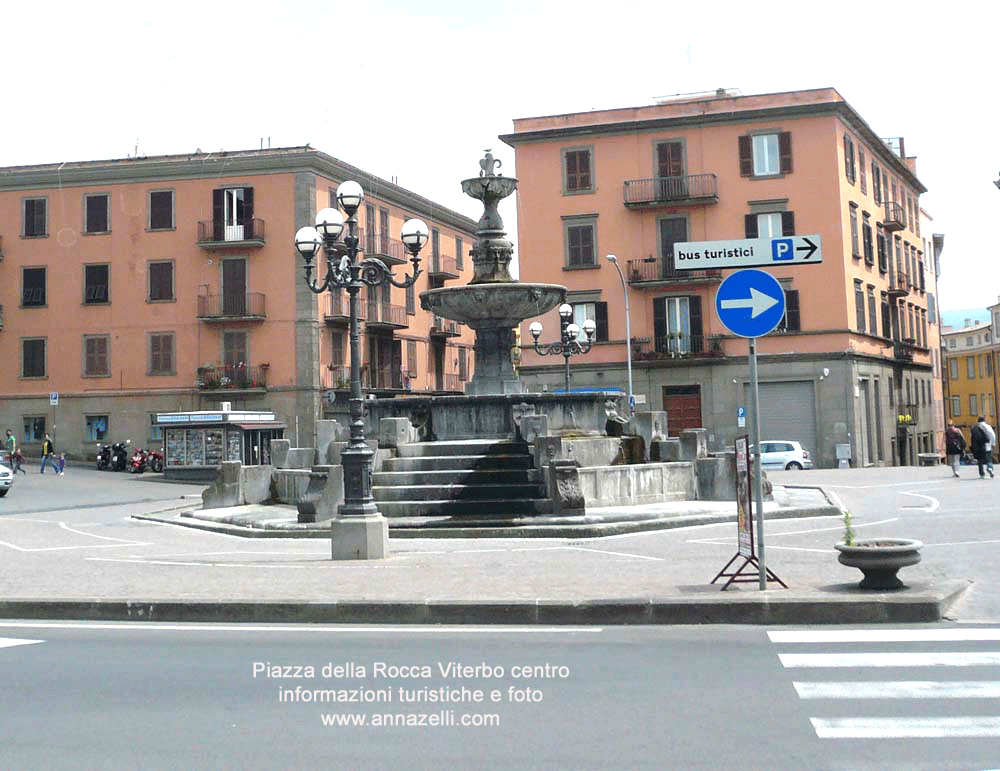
374, 272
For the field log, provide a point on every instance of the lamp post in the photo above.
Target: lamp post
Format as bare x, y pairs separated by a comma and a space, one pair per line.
568, 345
360, 531
628, 332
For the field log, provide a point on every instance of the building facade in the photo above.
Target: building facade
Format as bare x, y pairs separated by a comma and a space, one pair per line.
170, 284
849, 369
970, 375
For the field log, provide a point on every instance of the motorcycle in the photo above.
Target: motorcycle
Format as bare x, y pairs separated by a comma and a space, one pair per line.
103, 456
119, 455
155, 459
139, 460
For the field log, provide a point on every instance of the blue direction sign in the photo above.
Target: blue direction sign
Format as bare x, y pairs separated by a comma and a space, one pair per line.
750, 303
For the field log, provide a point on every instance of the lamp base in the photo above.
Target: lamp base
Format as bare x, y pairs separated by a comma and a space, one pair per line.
360, 537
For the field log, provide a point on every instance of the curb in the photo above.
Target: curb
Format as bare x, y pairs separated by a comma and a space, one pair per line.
839, 604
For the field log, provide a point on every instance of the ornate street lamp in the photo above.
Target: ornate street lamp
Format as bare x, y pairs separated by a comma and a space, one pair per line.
360, 531
568, 345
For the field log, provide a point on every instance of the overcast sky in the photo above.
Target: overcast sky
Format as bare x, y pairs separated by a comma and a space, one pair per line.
416, 91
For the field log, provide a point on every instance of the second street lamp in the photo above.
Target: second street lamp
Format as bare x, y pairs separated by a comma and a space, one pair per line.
568, 345
360, 531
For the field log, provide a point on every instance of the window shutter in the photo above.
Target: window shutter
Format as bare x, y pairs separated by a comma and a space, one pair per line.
750, 225
217, 214
659, 319
248, 210
694, 309
785, 151
746, 156
601, 320
792, 322
788, 223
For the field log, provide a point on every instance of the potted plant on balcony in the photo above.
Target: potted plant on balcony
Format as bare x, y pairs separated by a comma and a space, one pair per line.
878, 559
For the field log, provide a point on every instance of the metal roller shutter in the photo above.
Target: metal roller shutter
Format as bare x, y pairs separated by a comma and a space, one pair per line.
787, 411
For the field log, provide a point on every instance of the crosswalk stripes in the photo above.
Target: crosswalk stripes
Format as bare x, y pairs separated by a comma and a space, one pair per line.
864, 651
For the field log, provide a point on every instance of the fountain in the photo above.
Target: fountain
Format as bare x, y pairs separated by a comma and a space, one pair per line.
493, 304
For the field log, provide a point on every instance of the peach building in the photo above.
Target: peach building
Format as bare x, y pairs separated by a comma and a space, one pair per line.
970, 374
170, 284
849, 371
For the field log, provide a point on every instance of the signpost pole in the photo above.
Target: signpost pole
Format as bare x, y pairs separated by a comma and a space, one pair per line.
758, 480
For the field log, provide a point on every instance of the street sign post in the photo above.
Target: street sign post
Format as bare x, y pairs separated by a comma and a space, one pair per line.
748, 252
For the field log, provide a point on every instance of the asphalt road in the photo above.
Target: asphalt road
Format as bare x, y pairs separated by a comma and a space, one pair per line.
99, 696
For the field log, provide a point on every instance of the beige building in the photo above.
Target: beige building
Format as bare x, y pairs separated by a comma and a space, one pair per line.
850, 367
171, 284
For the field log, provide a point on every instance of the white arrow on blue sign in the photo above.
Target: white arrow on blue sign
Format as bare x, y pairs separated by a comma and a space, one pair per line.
750, 303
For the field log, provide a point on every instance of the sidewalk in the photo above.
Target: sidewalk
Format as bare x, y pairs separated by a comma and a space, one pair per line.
183, 564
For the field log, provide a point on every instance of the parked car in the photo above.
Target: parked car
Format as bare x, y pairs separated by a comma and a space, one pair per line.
6, 475
784, 454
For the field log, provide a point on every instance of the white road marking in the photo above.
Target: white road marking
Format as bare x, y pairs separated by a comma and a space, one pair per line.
325, 564
10, 642
617, 553
772, 534
913, 727
153, 626
963, 634
872, 659
935, 504
903, 689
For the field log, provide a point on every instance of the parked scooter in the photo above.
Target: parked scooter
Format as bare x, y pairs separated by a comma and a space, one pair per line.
155, 460
119, 455
103, 456
137, 463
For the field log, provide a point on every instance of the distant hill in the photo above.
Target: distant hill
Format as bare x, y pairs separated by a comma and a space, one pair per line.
956, 318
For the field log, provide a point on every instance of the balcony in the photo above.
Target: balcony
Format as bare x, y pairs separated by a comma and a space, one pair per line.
899, 284
902, 350
336, 308
654, 272
907, 414
232, 307
389, 250
235, 377
386, 316
442, 266
689, 190
442, 327
337, 377
676, 346
895, 216
381, 379
215, 234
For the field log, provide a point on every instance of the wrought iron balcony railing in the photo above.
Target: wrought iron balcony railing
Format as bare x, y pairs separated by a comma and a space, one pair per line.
653, 271
691, 189
895, 216
907, 414
337, 307
899, 284
235, 377
442, 266
442, 327
213, 307
389, 250
216, 234
386, 315
676, 345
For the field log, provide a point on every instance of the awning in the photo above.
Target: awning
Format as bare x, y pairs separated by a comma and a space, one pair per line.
259, 425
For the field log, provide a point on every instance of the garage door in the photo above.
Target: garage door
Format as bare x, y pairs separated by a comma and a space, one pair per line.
788, 411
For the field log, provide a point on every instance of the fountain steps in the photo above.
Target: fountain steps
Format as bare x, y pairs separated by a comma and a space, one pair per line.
463, 480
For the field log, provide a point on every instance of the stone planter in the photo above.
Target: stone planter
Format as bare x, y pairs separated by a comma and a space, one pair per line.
879, 559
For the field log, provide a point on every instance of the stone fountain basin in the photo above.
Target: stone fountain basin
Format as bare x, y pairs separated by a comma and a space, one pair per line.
493, 305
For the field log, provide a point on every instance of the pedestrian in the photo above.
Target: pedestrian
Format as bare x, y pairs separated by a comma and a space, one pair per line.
18, 460
62, 462
983, 438
48, 453
15, 455
954, 446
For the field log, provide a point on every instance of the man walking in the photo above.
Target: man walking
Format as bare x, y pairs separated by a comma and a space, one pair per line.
954, 446
983, 440
15, 454
48, 455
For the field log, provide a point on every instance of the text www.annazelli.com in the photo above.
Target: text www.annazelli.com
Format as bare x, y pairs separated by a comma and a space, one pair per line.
442, 719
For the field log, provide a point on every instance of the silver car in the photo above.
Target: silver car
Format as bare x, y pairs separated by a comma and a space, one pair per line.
784, 454
6, 476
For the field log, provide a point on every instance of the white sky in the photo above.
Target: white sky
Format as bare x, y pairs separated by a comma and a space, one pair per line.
417, 91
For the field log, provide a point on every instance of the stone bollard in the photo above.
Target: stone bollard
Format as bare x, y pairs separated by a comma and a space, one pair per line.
563, 478
227, 490
532, 427
324, 494
694, 443
279, 452
665, 450
651, 426
393, 432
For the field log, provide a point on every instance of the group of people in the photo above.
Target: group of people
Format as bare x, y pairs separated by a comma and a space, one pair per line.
48, 455
983, 440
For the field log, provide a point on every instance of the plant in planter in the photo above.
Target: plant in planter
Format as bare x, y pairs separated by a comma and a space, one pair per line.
879, 559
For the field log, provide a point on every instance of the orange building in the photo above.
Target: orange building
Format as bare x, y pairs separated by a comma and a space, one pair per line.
970, 354
849, 369
168, 284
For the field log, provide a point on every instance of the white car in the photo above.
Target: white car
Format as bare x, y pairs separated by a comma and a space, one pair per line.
6, 476
784, 454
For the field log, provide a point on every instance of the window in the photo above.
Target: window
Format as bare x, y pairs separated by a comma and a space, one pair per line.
411, 300
956, 406
411, 358
581, 243
883, 259
97, 213
769, 225
95, 284
32, 287
34, 429
791, 320
155, 431
872, 311
577, 175
855, 236
234, 348
677, 325
459, 253
33, 357
35, 218
849, 168
876, 183
161, 210
232, 214
161, 281
95, 356
866, 234
765, 155
161, 353
97, 428
972, 404
595, 311
463, 364
859, 305
970, 368
886, 315
673, 230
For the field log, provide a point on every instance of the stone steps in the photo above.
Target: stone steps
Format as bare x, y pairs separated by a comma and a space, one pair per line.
467, 512
479, 463
453, 477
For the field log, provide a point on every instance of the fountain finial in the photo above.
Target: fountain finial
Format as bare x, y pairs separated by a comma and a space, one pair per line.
487, 164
